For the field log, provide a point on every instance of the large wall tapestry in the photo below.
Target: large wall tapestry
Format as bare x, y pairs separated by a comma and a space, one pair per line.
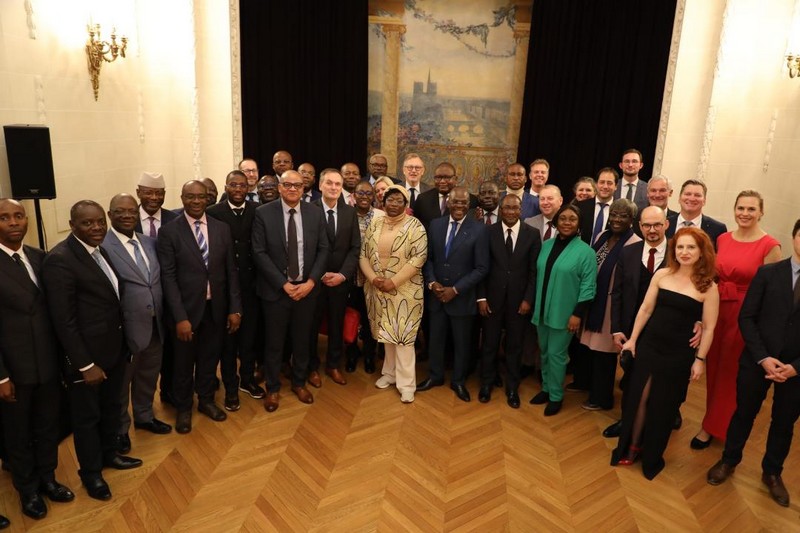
446, 82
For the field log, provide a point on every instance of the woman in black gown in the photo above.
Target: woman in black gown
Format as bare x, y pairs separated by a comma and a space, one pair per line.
678, 296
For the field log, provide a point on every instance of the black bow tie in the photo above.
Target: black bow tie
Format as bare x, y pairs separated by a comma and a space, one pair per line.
238, 211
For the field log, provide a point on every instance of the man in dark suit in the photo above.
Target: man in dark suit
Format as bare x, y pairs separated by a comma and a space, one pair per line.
344, 244
238, 214
659, 191
769, 322
352, 177
692, 200
488, 210
505, 296
249, 167
268, 189
310, 189
29, 369
433, 203
378, 165
413, 171
151, 192
201, 288
290, 246
134, 258
594, 212
458, 259
632, 188
281, 162
83, 296
515, 183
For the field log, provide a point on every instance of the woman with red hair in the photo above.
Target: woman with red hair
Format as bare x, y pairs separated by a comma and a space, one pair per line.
678, 296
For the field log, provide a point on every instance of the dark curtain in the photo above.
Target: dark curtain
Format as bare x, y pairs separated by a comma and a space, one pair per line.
304, 81
594, 84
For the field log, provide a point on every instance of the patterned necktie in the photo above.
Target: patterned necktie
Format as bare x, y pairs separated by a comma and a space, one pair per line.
331, 226
443, 207
98, 258
629, 195
598, 224
293, 262
201, 241
688, 224
139, 259
549, 232
153, 231
651, 261
509, 244
488, 219
453, 229
352, 200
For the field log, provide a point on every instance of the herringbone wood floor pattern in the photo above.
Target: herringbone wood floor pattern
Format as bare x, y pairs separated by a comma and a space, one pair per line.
359, 460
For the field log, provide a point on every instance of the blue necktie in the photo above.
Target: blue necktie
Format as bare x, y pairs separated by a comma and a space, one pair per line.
453, 229
139, 259
201, 242
104, 267
598, 224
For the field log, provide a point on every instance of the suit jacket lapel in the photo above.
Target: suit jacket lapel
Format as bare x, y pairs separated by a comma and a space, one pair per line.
10, 268
82, 254
118, 249
461, 236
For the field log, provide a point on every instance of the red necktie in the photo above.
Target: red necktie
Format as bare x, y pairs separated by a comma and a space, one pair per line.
488, 218
549, 232
651, 261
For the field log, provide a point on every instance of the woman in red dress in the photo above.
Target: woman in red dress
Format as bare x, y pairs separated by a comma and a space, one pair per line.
739, 254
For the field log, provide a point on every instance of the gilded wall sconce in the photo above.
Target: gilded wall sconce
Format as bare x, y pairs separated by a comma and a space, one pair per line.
98, 51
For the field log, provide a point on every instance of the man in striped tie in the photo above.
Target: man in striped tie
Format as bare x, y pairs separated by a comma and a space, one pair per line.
201, 289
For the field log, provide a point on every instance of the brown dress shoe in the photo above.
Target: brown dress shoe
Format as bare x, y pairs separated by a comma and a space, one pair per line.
314, 379
719, 473
776, 488
336, 376
271, 402
303, 395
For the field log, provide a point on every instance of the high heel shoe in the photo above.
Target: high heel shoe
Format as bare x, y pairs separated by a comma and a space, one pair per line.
698, 444
631, 456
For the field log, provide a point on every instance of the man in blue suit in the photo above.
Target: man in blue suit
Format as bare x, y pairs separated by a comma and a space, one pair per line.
133, 256
692, 200
515, 183
458, 259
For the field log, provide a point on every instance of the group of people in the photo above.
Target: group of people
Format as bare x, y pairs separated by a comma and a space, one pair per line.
245, 284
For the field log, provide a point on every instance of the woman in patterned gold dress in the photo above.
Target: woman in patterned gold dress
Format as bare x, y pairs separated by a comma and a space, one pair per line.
393, 251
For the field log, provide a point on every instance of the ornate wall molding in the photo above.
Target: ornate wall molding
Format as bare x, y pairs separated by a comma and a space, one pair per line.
770, 137
669, 85
236, 82
30, 18
140, 112
711, 114
197, 159
38, 85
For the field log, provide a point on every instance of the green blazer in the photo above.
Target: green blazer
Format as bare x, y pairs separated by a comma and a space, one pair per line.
572, 280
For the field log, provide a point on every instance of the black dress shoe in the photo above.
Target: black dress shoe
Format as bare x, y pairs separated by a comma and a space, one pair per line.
776, 489
485, 394
4, 522
678, 421
97, 488
541, 398
56, 492
512, 398
369, 364
461, 392
211, 410
253, 390
232, 403
613, 430
552, 408
183, 422
121, 462
123, 443
33, 505
428, 384
697, 444
154, 426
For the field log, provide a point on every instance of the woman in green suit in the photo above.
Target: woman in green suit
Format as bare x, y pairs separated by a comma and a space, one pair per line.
565, 286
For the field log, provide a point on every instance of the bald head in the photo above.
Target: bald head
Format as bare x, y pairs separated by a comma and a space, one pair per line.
123, 213
653, 223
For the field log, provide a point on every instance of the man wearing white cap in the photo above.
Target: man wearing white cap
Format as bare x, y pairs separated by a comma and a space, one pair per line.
151, 191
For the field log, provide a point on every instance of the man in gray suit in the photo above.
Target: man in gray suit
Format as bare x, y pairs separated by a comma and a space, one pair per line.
631, 187
134, 257
550, 201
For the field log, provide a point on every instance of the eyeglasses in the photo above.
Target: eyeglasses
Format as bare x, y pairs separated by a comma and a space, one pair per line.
249, 170
363, 193
414, 168
192, 197
647, 227
296, 186
394, 200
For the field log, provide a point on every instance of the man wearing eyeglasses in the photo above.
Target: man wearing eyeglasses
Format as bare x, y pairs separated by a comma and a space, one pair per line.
434, 203
378, 165
632, 278
309, 174
250, 169
413, 170
151, 192
290, 246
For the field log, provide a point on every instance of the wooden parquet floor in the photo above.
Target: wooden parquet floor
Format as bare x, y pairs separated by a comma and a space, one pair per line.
359, 460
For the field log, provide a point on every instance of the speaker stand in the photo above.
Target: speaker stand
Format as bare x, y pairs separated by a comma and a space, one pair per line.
39, 224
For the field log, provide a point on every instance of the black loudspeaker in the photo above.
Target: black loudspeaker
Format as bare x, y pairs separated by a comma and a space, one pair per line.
30, 161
